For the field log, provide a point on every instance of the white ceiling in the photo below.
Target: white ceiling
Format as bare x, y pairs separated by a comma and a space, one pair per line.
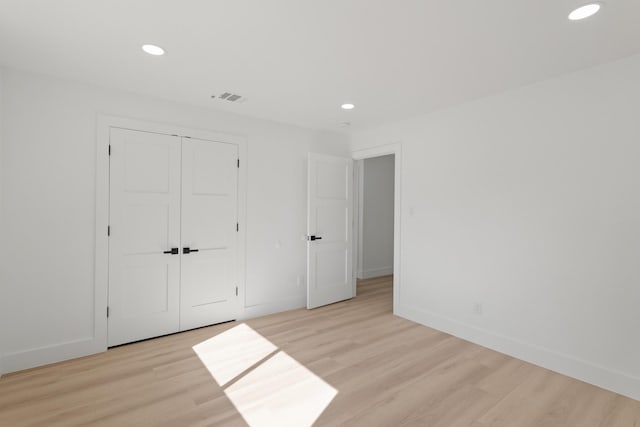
298, 60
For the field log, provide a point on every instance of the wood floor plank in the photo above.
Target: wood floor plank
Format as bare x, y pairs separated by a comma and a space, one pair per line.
387, 371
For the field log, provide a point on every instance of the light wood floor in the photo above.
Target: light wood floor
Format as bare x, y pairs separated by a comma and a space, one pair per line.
387, 371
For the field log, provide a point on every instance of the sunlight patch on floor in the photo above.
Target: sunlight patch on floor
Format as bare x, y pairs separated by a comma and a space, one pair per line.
281, 392
277, 391
232, 352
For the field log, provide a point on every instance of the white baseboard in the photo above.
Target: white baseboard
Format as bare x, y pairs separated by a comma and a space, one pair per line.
600, 376
18, 361
27, 359
375, 272
273, 307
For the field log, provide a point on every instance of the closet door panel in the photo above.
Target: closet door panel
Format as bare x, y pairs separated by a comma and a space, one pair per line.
209, 218
144, 218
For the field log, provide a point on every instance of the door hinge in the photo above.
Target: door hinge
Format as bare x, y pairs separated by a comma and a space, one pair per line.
108, 230
109, 149
107, 311
238, 163
236, 291
237, 226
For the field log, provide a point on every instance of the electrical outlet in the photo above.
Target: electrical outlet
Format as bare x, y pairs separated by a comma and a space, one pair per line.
477, 309
300, 281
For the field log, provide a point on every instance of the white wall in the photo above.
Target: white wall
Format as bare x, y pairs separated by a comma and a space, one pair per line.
521, 222
3, 299
377, 217
49, 153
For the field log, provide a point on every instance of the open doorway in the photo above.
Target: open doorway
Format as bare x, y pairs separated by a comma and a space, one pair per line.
375, 225
357, 155
375, 217
374, 233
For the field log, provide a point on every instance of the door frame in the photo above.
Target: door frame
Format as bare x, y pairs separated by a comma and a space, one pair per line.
101, 275
369, 153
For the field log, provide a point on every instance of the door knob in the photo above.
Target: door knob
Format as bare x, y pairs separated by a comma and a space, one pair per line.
312, 238
173, 251
187, 250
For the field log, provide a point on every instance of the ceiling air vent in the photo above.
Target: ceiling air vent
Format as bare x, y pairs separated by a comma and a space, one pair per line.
230, 97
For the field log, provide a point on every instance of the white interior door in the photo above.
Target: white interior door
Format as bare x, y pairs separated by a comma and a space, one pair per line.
208, 292
329, 230
144, 221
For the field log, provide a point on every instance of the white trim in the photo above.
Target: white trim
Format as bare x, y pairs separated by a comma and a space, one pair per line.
396, 150
376, 272
597, 375
359, 220
242, 219
104, 123
101, 264
49, 354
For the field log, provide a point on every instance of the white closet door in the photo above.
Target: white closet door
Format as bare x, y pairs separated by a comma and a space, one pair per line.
144, 281
209, 235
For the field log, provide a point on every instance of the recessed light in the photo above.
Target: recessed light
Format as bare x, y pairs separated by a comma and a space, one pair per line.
347, 106
152, 49
585, 11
